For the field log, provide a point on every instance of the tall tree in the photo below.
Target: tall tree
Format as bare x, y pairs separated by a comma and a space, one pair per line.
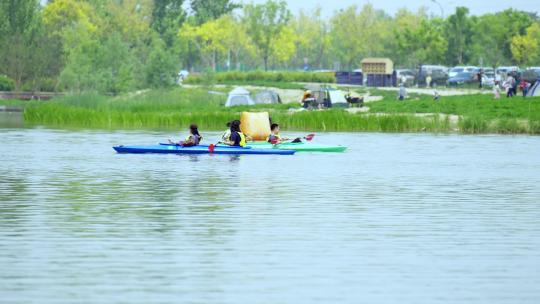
423, 44
215, 38
459, 34
526, 48
358, 34
206, 10
19, 34
265, 23
313, 38
167, 17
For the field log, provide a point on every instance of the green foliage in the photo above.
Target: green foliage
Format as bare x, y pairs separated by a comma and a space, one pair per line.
255, 77
161, 67
313, 39
19, 40
265, 26
424, 43
207, 10
167, 17
113, 46
526, 48
459, 36
6, 83
176, 108
105, 67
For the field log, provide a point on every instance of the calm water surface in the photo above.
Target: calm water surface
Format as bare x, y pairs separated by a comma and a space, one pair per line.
408, 218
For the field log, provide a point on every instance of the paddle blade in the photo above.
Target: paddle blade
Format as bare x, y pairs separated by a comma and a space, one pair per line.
309, 137
211, 148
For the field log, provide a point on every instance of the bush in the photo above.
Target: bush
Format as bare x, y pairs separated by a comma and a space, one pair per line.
260, 76
6, 83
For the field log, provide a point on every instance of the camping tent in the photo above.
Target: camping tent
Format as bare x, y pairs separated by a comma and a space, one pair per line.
534, 91
329, 97
337, 97
267, 97
239, 97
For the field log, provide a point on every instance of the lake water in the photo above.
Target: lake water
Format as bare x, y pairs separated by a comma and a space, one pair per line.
399, 218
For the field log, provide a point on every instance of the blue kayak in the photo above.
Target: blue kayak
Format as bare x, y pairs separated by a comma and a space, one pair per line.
201, 149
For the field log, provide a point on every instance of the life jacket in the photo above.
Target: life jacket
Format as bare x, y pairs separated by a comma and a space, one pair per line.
276, 136
242, 139
242, 142
196, 139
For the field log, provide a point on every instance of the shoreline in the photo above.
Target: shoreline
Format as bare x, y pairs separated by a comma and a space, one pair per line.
176, 108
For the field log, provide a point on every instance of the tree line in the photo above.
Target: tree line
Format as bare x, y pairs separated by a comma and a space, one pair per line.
114, 46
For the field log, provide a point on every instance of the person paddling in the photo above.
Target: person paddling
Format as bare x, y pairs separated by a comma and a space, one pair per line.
225, 136
237, 138
193, 139
274, 136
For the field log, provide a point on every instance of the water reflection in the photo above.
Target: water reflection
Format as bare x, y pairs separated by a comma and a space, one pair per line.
434, 215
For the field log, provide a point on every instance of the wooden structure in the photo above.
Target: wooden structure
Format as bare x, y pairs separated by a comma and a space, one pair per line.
29, 95
380, 72
377, 66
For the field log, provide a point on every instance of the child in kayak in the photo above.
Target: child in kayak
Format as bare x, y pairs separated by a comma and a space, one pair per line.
274, 137
237, 138
227, 133
193, 139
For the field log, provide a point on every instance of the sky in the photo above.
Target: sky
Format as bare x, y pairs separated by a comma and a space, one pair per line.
477, 7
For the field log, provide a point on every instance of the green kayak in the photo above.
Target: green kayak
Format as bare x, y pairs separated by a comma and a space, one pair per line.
299, 147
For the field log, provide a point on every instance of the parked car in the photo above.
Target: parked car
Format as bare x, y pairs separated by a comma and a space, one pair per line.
462, 78
531, 75
488, 78
408, 75
438, 73
507, 69
460, 69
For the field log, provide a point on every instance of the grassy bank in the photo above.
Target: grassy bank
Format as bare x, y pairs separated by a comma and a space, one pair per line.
479, 113
177, 108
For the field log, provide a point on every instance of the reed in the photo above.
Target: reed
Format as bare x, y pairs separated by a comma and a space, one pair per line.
177, 108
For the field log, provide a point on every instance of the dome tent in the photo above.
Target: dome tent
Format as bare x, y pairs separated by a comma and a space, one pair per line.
534, 90
267, 97
239, 97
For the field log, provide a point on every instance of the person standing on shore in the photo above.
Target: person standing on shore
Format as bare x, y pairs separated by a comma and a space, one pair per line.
524, 87
516, 83
402, 92
428, 80
496, 91
479, 77
509, 86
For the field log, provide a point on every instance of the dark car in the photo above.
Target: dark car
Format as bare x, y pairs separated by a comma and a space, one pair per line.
531, 75
462, 78
438, 77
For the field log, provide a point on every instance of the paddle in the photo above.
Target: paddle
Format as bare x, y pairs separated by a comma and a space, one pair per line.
308, 137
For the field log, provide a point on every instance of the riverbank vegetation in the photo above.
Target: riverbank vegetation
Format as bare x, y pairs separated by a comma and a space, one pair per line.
177, 108
114, 47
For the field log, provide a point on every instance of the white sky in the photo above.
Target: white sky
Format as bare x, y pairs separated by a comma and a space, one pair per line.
477, 7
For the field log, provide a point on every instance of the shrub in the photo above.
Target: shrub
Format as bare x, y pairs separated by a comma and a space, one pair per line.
6, 83
261, 76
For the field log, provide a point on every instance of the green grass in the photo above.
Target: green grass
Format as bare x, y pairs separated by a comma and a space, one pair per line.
470, 105
177, 108
262, 83
13, 102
